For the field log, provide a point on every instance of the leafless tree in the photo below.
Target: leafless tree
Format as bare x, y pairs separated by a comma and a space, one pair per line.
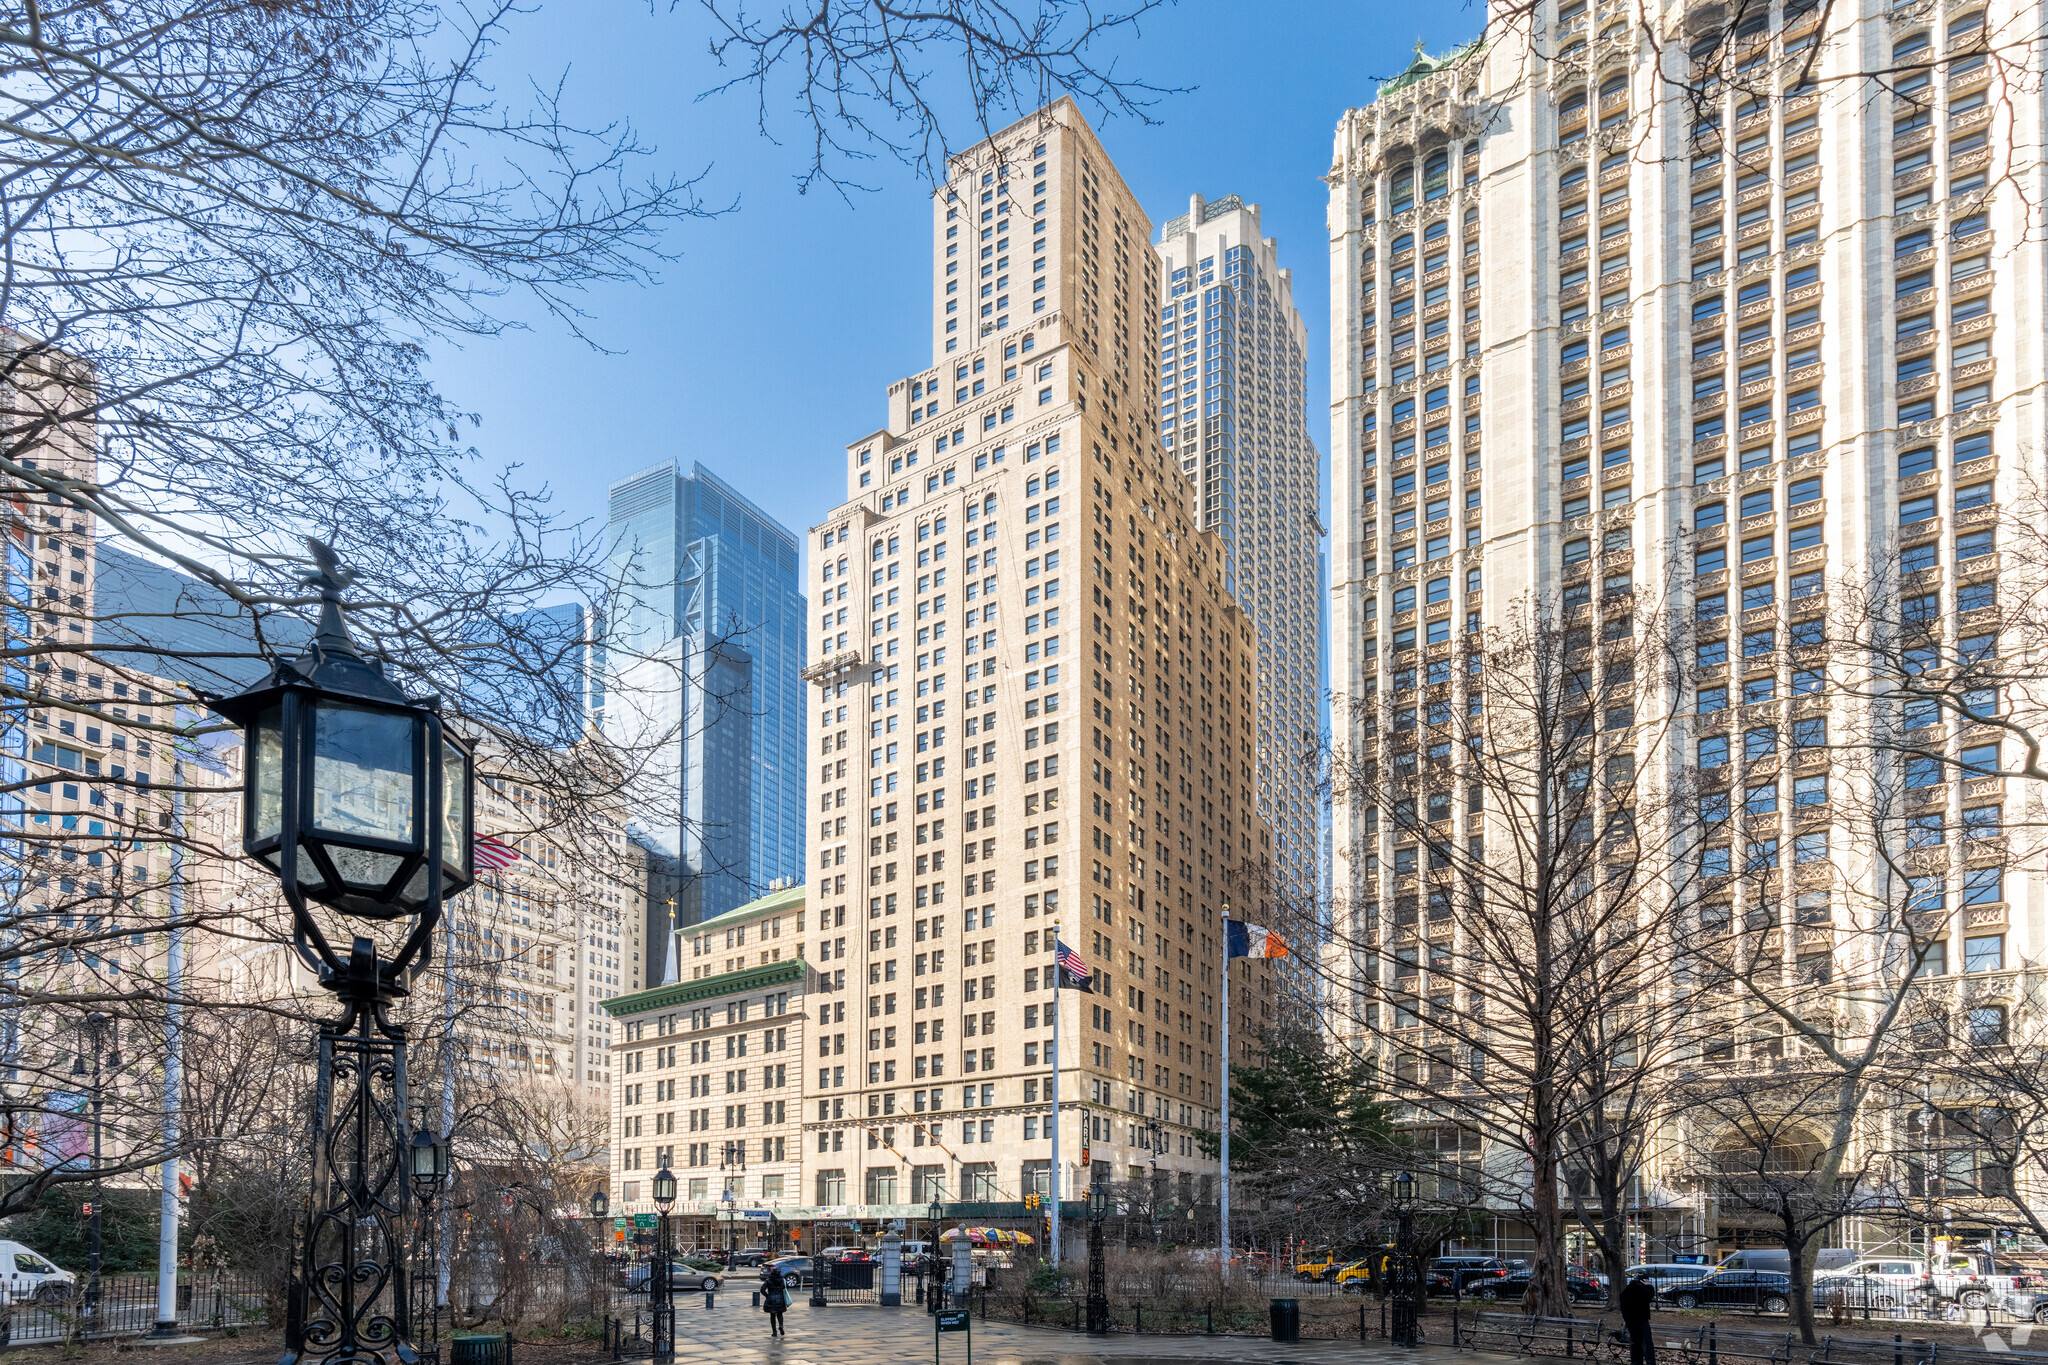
1509, 965
234, 231
1974, 1135
874, 79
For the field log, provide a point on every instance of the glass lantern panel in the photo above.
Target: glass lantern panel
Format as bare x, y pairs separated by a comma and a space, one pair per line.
269, 774
362, 773
414, 892
454, 810
362, 869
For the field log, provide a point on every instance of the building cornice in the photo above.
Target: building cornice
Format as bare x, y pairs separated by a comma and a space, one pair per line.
706, 988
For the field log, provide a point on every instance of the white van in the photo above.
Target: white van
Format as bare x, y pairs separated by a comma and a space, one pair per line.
30, 1276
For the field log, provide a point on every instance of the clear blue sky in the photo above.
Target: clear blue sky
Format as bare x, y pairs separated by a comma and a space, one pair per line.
770, 342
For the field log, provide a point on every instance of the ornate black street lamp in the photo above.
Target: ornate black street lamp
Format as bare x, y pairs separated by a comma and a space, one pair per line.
937, 1213
661, 1302
599, 1204
429, 1172
99, 1031
1408, 1286
1098, 1289
359, 800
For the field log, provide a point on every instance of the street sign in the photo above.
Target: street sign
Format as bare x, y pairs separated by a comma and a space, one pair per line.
755, 1213
643, 1220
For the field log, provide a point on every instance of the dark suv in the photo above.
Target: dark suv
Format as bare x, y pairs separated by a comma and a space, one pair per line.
1458, 1274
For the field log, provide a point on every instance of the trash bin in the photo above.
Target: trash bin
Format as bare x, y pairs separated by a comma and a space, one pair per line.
1286, 1320
494, 1349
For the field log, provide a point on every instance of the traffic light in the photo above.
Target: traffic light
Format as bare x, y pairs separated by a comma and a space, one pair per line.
1034, 1201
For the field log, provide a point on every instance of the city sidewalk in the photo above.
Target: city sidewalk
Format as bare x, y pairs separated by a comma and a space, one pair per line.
737, 1335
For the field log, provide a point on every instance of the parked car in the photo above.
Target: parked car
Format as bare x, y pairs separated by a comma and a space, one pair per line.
796, 1269
1765, 1289
681, 1276
1973, 1280
752, 1256
1662, 1274
2031, 1304
1355, 1277
849, 1254
31, 1276
1512, 1287
1321, 1265
1862, 1291
1462, 1274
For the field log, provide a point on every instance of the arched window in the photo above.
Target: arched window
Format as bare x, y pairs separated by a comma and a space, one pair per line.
1613, 85
1401, 193
1436, 175
1962, 29
1908, 47
1572, 110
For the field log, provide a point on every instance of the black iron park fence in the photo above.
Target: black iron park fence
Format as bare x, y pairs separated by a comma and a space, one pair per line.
126, 1306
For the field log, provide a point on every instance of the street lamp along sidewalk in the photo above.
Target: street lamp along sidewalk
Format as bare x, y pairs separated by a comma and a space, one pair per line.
357, 797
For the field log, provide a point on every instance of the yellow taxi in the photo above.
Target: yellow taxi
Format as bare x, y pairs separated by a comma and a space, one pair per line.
1356, 1278
1319, 1265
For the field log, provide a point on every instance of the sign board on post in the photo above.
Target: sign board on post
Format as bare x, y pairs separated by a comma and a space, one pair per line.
643, 1220
952, 1320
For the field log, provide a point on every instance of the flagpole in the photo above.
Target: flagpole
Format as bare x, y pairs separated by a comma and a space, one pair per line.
1053, 1233
1223, 1235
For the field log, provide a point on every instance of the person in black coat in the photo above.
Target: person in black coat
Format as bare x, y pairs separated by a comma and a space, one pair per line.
774, 1300
1636, 1298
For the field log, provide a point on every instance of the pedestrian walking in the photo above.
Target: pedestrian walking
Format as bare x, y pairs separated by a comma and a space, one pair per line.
1636, 1297
774, 1300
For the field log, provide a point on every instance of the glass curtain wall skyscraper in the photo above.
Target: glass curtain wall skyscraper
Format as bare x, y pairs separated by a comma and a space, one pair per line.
701, 665
1232, 409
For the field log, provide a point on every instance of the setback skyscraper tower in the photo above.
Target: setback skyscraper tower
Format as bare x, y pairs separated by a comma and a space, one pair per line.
1233, 385
1036, 708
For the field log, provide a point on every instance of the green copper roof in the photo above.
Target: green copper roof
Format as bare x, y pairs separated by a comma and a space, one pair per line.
1426, 65
775, 902
790, 972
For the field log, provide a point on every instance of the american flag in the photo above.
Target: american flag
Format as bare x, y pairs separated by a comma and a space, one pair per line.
1069, 961
494, 853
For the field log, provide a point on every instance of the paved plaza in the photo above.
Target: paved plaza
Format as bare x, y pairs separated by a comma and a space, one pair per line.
733, 1334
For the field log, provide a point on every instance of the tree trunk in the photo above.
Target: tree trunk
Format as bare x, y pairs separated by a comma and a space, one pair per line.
1546, 1296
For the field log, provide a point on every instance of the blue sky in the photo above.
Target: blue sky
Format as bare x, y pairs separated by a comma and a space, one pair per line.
768, 344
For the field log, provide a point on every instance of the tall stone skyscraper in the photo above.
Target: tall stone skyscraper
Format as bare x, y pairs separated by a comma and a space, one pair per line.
1233, 383
1037, 705
702, 659
1730, 345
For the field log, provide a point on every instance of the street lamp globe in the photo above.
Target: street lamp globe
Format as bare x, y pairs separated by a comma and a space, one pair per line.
599, 1204
429, 1163
1098, 1202
937, 1212
1404, 1188
664, 1189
